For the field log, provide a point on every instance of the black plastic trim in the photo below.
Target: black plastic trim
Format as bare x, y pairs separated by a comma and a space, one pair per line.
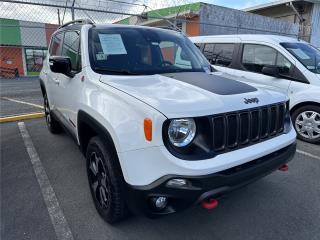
203, 146
201, 187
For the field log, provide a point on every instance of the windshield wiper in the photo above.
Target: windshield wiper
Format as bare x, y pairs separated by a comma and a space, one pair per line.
120, 71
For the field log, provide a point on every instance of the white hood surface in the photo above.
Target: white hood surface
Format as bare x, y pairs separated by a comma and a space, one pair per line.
192, 94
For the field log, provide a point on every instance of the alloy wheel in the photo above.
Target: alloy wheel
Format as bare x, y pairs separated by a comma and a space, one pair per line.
47, 111
99, 181
308, 124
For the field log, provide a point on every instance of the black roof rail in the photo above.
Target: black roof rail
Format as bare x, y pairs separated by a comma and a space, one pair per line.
79, 21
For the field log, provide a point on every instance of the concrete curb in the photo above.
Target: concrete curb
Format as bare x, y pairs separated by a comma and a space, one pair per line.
21, 117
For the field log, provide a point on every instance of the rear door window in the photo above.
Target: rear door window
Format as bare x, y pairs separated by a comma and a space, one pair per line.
222, 54
255, 57
219, 54
208, 51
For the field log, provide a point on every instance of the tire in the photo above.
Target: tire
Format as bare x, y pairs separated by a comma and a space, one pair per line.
52, 124
105, 181
306, 121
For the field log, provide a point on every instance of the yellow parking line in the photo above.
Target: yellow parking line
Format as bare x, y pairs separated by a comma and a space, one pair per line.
21, 117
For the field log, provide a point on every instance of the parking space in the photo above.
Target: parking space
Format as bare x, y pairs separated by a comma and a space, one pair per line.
20, 96
280, 206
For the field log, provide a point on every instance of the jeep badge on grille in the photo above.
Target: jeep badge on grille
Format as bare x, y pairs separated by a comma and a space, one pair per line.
251, 100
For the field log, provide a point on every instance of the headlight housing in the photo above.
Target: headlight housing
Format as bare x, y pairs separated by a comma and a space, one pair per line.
181, 132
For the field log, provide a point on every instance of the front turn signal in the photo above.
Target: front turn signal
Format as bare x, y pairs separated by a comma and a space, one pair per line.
147, 123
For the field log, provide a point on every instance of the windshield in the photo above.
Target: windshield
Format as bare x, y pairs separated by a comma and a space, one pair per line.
309, 56
135, 50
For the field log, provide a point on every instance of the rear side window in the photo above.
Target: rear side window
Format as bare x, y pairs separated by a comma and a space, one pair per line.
208, 51
222, 54
255, 57
219, 54
71, 48
56, 42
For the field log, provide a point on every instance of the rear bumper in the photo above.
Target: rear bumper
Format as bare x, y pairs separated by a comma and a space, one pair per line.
202, 187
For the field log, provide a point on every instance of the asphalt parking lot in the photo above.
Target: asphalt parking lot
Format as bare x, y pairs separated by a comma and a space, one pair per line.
283, 205
20, 96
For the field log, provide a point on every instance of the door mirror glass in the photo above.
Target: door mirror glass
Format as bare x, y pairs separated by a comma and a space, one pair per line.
60, 64
271, 71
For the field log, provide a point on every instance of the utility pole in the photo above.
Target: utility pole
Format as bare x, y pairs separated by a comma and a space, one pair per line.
72, 10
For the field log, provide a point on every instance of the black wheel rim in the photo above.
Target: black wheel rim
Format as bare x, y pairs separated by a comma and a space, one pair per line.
47, 111
99, 181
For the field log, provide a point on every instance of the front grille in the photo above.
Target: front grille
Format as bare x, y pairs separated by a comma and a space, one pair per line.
238, 129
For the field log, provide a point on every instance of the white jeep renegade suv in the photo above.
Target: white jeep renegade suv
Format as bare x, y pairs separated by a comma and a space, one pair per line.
159, 130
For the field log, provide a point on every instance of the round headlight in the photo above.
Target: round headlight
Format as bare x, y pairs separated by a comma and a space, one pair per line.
181, 131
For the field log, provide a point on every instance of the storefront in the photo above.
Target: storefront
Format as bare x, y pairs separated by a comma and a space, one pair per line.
23, 47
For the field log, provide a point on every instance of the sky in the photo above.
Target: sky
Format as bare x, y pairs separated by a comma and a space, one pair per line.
238, 4
49, 15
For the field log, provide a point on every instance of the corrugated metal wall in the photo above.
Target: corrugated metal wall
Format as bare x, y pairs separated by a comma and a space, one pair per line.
25, 33
315, 25
230, 21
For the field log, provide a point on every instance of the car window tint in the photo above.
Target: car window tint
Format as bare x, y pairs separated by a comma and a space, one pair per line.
255, 57
208, 51
55, 48
284, 64
222, 54
71, 48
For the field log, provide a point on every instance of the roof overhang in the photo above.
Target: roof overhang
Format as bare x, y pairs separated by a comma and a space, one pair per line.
276, 3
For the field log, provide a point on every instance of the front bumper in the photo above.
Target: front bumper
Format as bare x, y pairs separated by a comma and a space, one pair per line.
202, 187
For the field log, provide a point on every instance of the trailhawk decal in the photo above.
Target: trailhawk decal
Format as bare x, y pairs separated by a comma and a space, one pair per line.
212, 83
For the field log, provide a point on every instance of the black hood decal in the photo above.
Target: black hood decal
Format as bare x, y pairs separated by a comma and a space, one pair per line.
212, 83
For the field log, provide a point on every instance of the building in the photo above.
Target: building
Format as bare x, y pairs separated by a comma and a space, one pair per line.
207, 19
305, 13
23, 46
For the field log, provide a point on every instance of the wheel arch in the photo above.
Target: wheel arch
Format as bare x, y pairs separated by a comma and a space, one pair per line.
302, 104
42, 87
89, 127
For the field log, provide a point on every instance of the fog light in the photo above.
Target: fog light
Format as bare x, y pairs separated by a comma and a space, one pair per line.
177, 182
159, 202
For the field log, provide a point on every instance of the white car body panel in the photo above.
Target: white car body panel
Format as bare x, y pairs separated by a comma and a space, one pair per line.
121, 103
297, 92
178, 99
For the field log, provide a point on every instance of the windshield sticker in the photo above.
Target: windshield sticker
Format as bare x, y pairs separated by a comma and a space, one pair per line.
101, 56
301, 54
112, 44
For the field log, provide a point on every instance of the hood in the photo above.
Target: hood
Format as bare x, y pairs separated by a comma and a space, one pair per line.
192, 94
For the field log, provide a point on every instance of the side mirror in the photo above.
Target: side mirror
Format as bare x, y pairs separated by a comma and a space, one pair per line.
59, 64
271, 71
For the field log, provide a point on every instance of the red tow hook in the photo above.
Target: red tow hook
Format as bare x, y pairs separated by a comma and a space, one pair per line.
284, 168
210, 203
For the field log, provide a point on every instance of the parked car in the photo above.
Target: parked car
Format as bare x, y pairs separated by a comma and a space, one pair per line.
158, 130
288, 65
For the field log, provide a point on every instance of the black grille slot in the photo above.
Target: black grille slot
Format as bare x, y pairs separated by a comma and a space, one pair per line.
238, 129
273, 120
281, 118
219, 133
255, 125
244, 128
233, 128
264, 123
